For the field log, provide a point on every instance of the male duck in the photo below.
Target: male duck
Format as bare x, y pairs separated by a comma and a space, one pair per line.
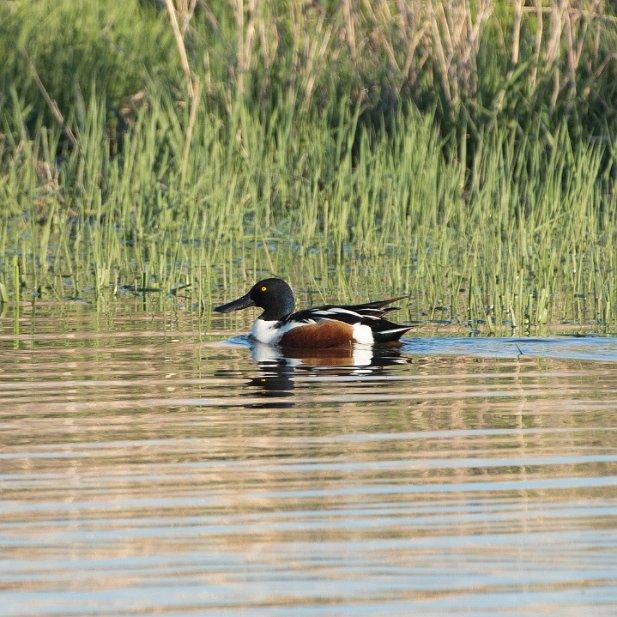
319, 327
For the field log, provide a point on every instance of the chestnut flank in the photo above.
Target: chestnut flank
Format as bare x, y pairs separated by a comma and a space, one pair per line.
326, 333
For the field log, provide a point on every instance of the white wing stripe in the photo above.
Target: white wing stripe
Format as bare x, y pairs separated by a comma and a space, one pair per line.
337, 311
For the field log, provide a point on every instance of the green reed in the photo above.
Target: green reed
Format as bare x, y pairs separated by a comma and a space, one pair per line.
489, 223
527, 230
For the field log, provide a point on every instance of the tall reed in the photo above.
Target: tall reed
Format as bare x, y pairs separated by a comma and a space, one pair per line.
458, 151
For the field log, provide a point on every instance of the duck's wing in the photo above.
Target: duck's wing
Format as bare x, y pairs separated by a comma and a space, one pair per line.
368, 309
376, 305
370, 314
319, 313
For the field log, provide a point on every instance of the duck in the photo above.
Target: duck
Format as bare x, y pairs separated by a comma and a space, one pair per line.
323, 327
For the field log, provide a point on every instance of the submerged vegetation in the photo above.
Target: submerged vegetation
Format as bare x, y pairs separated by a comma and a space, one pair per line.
463, 152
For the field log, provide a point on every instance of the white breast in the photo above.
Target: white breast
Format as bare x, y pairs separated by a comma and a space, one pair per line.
267, 332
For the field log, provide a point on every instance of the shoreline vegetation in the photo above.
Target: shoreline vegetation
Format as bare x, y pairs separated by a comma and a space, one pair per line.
464, 152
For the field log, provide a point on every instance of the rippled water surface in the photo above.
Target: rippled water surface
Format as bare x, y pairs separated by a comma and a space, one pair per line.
148, 466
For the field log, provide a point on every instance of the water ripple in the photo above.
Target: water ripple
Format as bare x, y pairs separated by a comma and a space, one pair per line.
145, 470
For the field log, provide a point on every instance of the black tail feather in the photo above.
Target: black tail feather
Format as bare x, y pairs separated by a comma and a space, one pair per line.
385, 331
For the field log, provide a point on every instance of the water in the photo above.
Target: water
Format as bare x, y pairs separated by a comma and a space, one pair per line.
147, 467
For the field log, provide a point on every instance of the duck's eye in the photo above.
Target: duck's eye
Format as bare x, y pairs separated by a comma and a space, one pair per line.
263, 288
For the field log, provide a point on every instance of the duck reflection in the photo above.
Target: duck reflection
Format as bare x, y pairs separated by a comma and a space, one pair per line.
278, 368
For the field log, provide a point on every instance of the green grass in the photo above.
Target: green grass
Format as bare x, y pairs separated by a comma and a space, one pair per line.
321, 164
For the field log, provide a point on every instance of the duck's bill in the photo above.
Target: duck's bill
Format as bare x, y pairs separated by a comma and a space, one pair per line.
235, 305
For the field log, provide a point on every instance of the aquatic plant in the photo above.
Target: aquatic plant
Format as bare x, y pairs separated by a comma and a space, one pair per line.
176, 148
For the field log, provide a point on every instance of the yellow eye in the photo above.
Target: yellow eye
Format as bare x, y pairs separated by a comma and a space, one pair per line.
263, 288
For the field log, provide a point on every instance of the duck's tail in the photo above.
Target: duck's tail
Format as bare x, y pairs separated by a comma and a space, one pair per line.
387, 332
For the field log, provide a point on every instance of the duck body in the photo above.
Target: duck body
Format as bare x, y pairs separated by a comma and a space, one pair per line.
319, 327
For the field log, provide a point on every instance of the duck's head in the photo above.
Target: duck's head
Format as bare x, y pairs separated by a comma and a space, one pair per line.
273, 295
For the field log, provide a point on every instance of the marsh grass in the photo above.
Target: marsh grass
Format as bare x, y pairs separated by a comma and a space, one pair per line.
359, 153
526, 237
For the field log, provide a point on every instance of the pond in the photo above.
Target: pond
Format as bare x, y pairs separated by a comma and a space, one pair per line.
154, 464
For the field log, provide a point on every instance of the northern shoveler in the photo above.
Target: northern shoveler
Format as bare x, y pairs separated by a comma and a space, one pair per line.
319, 327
